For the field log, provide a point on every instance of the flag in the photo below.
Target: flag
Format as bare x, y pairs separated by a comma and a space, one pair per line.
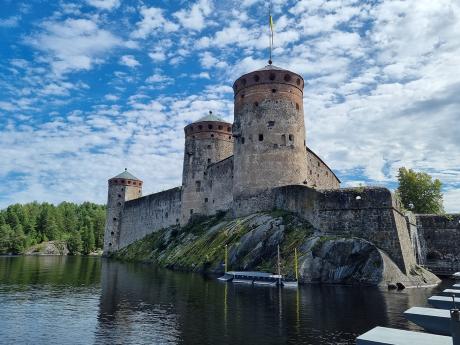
271, 23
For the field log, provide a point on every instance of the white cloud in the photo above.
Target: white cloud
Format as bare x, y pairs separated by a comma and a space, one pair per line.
9, 22
104, 4
152, 21
74, 44
195, 17
111, 97
129, 60
452, 200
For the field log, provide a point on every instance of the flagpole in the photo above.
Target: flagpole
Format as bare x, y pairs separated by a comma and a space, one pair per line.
270, 37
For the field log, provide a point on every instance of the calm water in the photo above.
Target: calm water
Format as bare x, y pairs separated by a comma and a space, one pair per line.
73, 300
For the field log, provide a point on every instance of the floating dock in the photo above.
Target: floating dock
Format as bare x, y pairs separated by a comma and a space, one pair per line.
433, 320
451, 292
441, 302
393, 336
257, 278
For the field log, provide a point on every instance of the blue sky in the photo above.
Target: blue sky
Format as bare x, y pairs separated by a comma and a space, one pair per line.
90, 87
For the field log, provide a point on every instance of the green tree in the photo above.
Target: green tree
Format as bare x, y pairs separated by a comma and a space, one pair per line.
75, 243
6, 236
89, 243
419, 192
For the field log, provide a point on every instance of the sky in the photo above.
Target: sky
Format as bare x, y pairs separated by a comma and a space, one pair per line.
90, 87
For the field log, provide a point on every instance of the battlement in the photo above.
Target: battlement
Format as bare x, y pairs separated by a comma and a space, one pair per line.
209, 129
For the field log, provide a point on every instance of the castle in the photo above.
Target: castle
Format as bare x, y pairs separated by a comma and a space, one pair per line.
260, 163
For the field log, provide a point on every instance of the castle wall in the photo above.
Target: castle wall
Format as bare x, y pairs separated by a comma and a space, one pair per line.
375, 216
218, 185
147, 214
319, 174
441, 234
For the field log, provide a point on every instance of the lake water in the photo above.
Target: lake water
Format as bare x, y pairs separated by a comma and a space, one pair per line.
84, 300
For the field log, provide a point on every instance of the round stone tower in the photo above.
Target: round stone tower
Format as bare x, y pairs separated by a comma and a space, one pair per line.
269, 131
122, 187
207, 141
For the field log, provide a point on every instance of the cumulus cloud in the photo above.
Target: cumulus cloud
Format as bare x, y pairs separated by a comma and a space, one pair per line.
153, 20
195, 17
104, 4
129, 60
9, 22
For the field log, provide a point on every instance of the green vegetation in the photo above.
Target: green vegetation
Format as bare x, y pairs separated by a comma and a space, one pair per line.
81, 226
419, 192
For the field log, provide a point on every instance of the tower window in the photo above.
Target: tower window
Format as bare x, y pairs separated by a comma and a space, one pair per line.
229, 129
122, 181
242, 140
319, 164
297, 106
212, 135
114, 219
298, 81
134, 183
271, 123
261, 137
287, 77
273, 90
209, 146
256, 104
129, 182
272, 76
166, 215
205, 199
209, 160
119, 195
220, 127
242, 96
198, 185
327, 173
256, 78
229, 137
191, 211
110, 244
119, 203
112, 233
209, 126
200, 127
283, 139
291, 137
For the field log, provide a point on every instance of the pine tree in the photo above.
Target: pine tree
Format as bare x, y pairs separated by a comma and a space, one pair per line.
75, 243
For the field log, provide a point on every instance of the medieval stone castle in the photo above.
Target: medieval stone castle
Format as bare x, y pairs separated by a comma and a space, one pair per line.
260, 163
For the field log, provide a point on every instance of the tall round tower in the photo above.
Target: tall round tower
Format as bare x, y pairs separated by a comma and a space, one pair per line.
269, 131
122, 188
207, 141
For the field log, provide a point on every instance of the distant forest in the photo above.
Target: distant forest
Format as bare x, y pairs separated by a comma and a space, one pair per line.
81, 226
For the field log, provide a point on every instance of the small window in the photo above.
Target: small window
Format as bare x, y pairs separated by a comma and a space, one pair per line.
135, 183
229, 129
129, 182
297, 106
287, 77
242, 140
272, 76
242, 96
177, 220
311, 172
230, 137
209, 160
327, 173
271, 123
209, 146
283, 139
273, 90
119, 195
291, 137
140, 183
209, 126
256, 104
319, 164
110, 244
256, 78
123, 181
198, 185
114, 219
112, 233
212, 135
205, 199
261, 137
298, 81
200, 127
166, 215
119, 203
191, 211
220, 127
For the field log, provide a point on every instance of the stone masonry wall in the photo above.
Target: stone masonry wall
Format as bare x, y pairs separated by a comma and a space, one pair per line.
441, 234
218, 186
319, 174
152, 212
369, 213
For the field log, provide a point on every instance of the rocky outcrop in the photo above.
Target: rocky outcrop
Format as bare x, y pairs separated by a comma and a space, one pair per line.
48, 248
252, 243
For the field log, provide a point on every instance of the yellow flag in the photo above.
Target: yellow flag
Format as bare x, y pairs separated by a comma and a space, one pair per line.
271, 23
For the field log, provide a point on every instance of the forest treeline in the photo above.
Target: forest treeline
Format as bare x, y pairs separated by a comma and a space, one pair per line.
81, 226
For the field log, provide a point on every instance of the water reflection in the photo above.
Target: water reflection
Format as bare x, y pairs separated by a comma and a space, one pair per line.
55, 300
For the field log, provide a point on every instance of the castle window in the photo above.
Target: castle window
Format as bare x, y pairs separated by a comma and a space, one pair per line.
114, 219
212, 135
229, 129
119, 203
140, 183
166, 215
273, 90
261, 137
134, 183
191, 211
122, 181
119, 195
283, 139
110, 244
256, 78
287, 77
242, 96
256, 104
242, 140
298, 81
319, 164
122, 189
272, 76
205, 199
327, 173
271, 123
129, 182
209, 160
112, 233
200, 127
220, 127
311, 172
243, 81
209, 146
297, 106
177, 220
229, 137
291, 137
209, 126
198, 185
